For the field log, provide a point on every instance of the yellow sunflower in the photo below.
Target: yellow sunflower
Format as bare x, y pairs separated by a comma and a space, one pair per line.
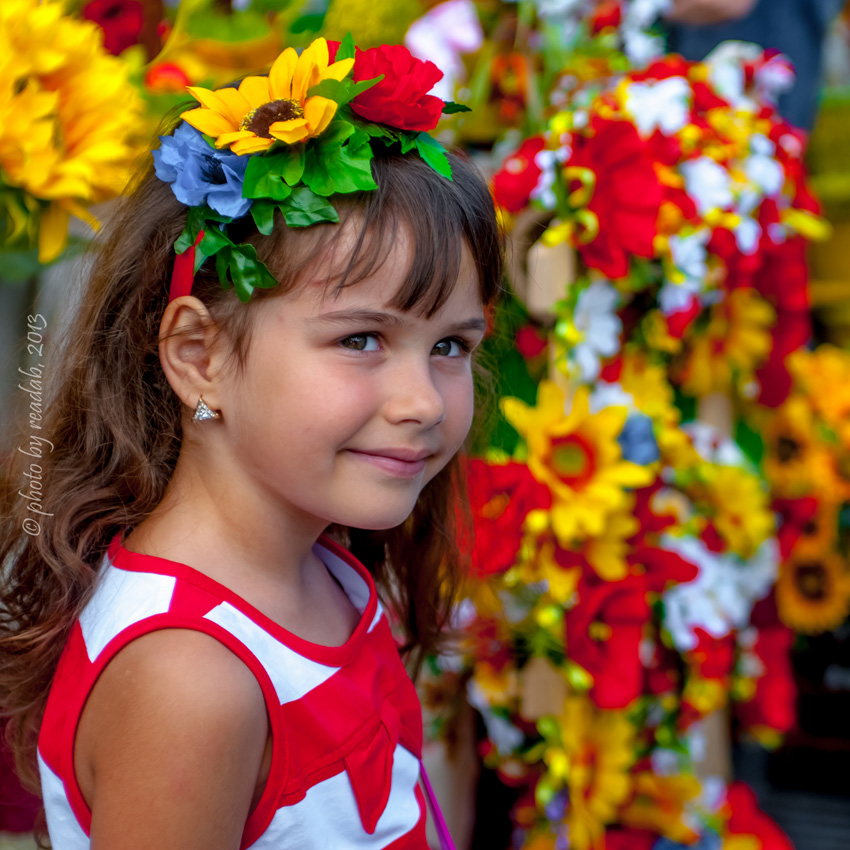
578, 457
736, 341
264, 110
796, 462
592, 760
813, 592
67, 114
825, 376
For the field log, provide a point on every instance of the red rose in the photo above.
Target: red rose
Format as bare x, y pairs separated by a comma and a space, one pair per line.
514, 182
627, 196
500, 497
120, 20
604, 633
401, 99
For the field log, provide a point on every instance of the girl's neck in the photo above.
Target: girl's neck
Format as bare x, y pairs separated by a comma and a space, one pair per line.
212, 523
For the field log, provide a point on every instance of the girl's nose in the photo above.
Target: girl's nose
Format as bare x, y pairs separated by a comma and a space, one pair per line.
413, 396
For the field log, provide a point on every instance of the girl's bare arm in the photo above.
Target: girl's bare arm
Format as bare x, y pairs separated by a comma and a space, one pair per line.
171, 744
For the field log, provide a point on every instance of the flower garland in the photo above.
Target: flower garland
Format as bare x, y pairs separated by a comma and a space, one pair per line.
291, 141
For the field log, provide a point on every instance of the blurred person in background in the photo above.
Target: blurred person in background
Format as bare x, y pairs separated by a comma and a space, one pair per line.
795, 27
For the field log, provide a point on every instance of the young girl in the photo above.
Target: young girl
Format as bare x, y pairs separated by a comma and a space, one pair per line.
224, 484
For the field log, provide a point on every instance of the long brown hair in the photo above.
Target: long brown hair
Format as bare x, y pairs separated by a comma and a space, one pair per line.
115, 424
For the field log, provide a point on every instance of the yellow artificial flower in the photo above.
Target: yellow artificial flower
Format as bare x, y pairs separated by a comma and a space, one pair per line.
592, 761
813, 592
578, 457
736, 341
648, 385
824, 375
67, 115
660, 804
796, 462
264, 110
741, 508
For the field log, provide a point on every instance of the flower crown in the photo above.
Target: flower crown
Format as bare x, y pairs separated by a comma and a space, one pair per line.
291, 141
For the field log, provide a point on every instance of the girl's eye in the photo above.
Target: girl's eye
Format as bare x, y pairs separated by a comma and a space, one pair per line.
360, 342
451, 347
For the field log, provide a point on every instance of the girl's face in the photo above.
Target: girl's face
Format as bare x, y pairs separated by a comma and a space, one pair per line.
347, 406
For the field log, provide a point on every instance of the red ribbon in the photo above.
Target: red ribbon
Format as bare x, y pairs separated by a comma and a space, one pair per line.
183, 273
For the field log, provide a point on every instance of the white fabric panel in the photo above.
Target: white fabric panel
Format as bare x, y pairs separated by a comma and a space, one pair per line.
65, 832
327, 818
292, 674
354, 586
123, 597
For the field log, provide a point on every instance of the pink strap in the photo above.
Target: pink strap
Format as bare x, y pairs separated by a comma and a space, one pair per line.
183, 273
446, 842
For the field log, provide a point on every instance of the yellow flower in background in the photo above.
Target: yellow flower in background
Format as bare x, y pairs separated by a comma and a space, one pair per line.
577, 456
741, 508
737, 340
813, 592
264, 110
824, 375
796, 462
67, 112
648, 385
660, 805
593, 761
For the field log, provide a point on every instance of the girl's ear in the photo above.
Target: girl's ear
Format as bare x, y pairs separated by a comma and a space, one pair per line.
190, 352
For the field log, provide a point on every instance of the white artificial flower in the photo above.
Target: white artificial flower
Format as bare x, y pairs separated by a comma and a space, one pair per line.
747, 234
644, 13
689, 254
549, 164
599, 326
664, 105
442, 35
678, 297
506, 738
563, 8
610, 395
762, 168
721, 597
713, 446
726, 71
641, 47
708, 183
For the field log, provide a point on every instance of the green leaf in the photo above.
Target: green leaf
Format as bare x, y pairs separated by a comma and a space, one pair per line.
264, 176
434, 154
214, 240
334, 136
407, 140
263, 214
341, 91
343, 170
451, 107
346, 48
304, 208
240, 266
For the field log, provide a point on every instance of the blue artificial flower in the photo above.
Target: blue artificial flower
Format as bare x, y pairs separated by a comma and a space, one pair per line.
637, 440
201, 174
708, 841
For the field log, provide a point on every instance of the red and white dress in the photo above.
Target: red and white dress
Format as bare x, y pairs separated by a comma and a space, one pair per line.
345, 721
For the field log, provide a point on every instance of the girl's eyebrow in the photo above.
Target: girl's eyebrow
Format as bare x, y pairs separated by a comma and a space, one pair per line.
376, 317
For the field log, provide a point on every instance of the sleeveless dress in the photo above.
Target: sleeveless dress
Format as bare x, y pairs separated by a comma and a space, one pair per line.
345, 721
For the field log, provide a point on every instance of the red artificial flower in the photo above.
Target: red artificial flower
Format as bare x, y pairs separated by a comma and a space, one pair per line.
679, 321
796, 516
530, 342
630, 839
745, 818
514, 182
604, 632
672, 65
166, 78
500, 497
608, 15
626, 199
712, 658
774, 705
401, 99
121, 21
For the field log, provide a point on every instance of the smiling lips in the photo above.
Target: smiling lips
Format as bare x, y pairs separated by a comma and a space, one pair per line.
401, 463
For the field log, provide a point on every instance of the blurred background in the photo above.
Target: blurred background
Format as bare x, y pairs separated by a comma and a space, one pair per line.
655, 647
